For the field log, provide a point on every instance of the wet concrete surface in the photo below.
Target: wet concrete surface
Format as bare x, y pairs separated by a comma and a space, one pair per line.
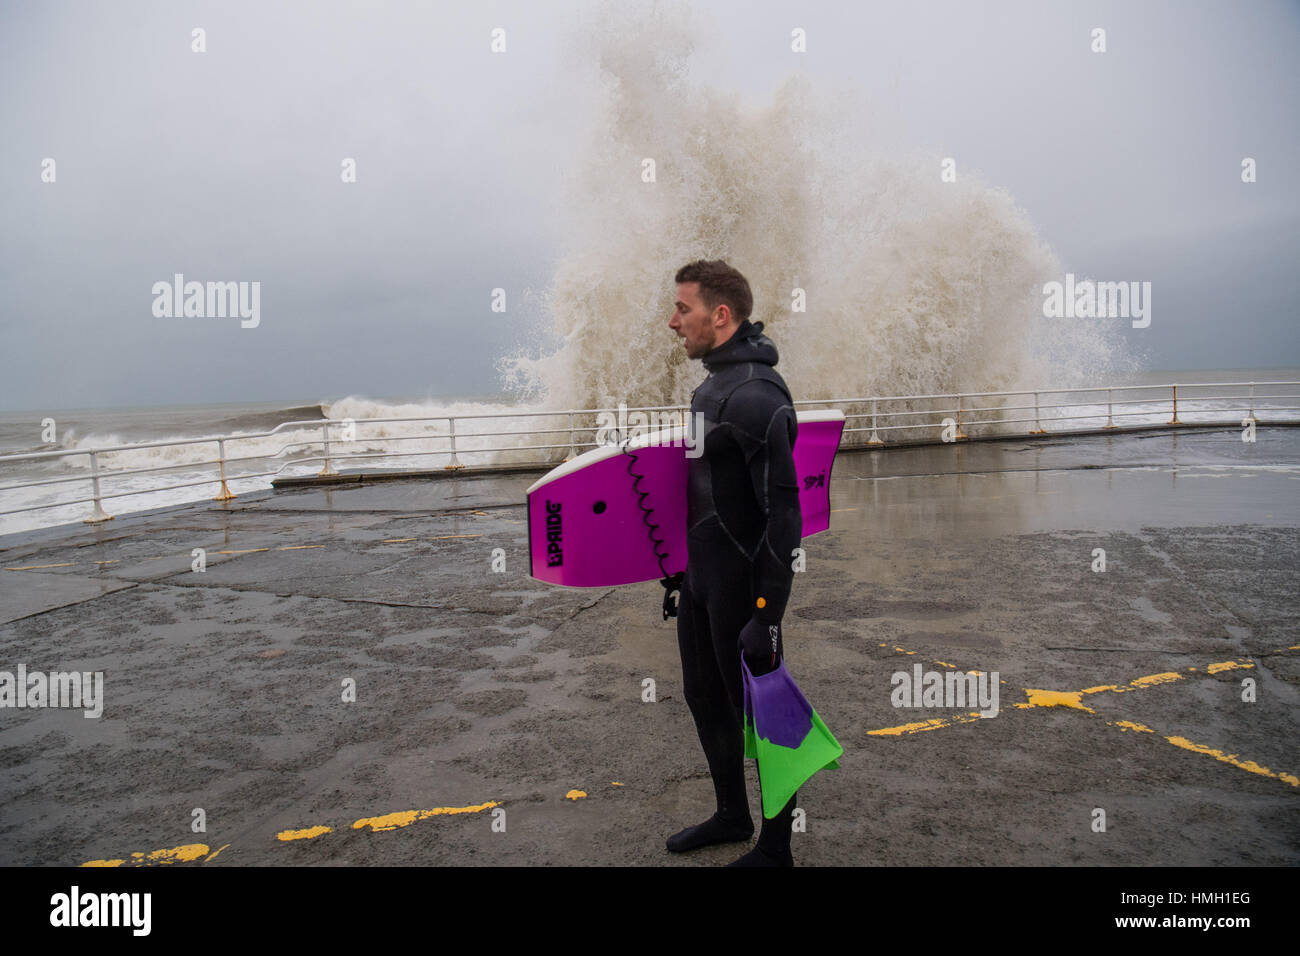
224, 688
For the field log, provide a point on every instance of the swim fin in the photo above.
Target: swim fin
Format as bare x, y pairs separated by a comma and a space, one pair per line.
785, 734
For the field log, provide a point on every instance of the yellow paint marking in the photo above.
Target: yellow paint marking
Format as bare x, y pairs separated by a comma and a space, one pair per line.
1074, 700
310, 833
1153, 679
213, 855
114, 561
1130, 725
1055, 698
575, 794
177, 854
183, 854
33, 567
615, 783
837, 510
1233, 759
946, 664
397, 540
242, 551
922, 725
444, 537
403, 818
1229, 665
300, 547
389, 821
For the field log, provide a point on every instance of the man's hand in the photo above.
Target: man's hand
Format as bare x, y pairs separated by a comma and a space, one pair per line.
759, 642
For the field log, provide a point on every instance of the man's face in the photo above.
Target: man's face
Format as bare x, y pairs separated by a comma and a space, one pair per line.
695, 322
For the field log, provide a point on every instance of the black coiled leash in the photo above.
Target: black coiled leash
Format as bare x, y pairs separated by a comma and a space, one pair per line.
672, 585
672, 582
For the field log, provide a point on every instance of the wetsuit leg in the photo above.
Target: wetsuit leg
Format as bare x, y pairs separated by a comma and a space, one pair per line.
716, 602
716, 720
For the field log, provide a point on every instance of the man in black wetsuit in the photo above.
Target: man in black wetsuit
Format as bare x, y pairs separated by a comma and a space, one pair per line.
743, 524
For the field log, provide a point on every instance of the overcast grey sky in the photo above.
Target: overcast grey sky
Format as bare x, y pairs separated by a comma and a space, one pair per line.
225, 165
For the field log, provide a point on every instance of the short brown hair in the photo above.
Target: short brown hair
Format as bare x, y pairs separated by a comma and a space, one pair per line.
719, 284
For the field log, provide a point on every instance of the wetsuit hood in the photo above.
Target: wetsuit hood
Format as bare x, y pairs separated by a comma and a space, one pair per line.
747, 344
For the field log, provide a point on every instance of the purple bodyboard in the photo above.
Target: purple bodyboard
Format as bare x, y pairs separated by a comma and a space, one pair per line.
587, 518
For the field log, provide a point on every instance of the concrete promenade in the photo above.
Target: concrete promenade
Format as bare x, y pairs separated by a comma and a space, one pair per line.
500, 721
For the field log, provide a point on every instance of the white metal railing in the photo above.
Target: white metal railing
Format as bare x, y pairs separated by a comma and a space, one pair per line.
954, 415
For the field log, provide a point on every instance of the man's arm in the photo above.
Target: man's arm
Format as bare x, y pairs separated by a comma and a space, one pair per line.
770, 419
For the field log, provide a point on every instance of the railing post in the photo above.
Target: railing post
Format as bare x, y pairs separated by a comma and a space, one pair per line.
98, 514
873, 438
960, 433
225, 494
325, 433
454, 464
1038, 426
1174, 420
573, 452
1252, 404
1110, 412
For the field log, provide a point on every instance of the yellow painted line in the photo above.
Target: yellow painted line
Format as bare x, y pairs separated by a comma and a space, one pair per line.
835, 510
923, 725
1233, 759
1153, 679
1055, 698
397, 540
403, 818
310, 833
213, 856
183, 854
177, 854
300, 547
33, 567
1130, 725
1114, 688
446, 536
615, 783
114, 561
242, 551
1073, 700
1227, 666
575, 794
